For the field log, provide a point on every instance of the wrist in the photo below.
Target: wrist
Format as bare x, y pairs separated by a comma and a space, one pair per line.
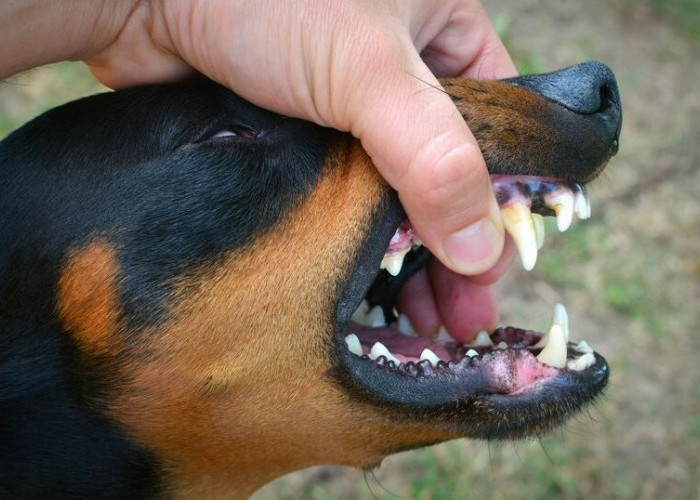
37, 32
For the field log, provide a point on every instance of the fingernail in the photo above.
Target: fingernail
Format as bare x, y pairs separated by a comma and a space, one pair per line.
474, 249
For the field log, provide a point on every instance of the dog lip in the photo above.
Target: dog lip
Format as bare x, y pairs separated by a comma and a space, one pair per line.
488, 389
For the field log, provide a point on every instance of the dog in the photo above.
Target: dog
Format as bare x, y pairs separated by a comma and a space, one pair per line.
188, 285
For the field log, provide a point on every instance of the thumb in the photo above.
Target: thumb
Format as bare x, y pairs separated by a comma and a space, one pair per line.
424, 149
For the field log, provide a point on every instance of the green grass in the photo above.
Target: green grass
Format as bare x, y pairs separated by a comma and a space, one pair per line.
526, 62
29, 94
683, 14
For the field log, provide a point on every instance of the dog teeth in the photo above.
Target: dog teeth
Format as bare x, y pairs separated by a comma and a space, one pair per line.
430, 356
483, 339
519, 224
538, 222
379, 349
472, 353
394, 262
559, 318
502, 346
582, 203
360, 314
353, 343
554, 353
584, 347
375, 318
404, 326
443, 335
365, 316
581, 363
563, 205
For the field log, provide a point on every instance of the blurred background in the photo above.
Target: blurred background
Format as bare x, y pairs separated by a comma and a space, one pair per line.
630, 277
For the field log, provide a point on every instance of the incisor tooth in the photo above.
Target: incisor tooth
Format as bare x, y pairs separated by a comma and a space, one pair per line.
483, 339
581, 363
518, 222
563, 206
375, 318
404, 326
472, 353
379, 349
430, 356
354, 345
538, 223
502, 346
554, 353
561, 318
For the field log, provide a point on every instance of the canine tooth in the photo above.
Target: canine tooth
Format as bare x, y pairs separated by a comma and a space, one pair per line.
584, 347
394, 262
353, 343
404, 326
554, 353
472, 353
518, 222
360, 314
502, 346
561, 318
581, 363
483, 339
588, 207
582, 205
563, 206
375, 318
538, 223
379, 349
443, 335
430, 356
543, 341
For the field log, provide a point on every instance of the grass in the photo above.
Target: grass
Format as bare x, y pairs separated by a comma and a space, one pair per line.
526, 62
683, 14
29, 94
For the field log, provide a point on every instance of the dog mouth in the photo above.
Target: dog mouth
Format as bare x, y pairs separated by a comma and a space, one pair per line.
497, 374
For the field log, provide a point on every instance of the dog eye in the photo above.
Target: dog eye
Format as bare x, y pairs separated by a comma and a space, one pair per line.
235, 131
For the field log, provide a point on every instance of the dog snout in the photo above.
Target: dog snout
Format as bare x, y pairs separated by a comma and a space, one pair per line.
588, 88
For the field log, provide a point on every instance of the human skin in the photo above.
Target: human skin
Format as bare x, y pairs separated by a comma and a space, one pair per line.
368, 67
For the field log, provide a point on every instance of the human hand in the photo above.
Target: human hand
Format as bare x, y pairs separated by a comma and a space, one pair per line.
366, 68
359, 66
354, 66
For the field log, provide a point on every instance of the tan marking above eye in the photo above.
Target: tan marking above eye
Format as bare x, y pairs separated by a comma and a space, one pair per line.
87, 302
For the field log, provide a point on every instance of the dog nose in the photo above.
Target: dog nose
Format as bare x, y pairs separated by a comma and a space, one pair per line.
588, 88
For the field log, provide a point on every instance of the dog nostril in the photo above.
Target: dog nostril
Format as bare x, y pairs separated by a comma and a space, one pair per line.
606, 96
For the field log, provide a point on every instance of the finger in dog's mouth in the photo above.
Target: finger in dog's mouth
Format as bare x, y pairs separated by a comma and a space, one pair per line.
497, 372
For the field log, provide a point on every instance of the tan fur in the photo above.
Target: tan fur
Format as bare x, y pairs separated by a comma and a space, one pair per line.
232, 392
87, 299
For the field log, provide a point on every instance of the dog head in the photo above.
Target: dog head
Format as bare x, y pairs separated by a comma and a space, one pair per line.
179, 271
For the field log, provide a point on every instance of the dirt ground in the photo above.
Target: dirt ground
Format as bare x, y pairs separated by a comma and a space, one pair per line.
630, 277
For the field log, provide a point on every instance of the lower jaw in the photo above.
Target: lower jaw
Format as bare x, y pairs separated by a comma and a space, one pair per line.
499, 394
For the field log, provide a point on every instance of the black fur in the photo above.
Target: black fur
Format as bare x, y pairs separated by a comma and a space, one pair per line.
141, 169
